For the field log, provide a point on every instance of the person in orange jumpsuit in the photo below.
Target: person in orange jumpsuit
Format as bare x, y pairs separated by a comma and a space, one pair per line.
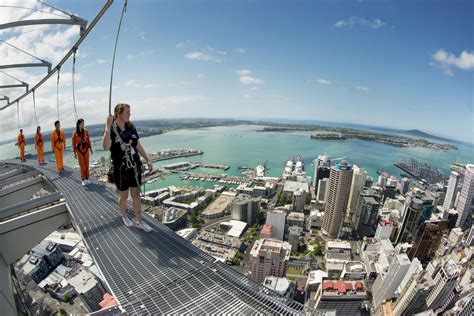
39, 145
58, 144
21, 144
81, 144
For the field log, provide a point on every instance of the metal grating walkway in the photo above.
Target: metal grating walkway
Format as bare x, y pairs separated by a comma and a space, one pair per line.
157, 272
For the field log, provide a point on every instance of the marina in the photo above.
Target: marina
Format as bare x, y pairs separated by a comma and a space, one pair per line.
222, 178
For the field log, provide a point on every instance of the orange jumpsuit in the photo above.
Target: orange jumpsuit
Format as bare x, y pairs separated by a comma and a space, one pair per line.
81, 144
21, 144
39, 147
58, 144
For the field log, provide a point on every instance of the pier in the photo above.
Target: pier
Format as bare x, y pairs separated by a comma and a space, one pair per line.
184, 166
172, 154
222, 178
421, 171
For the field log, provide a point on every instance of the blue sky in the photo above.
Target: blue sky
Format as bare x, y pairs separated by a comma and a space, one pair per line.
404, 64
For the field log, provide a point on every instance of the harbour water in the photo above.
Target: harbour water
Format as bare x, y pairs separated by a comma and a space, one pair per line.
244, 146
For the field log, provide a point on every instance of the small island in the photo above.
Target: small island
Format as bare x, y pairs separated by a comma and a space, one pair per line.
339, 133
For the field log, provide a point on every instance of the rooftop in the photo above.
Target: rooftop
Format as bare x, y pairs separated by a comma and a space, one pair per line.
340, 287
219, 205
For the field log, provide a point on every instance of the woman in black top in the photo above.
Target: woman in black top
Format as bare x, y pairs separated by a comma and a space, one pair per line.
126, 151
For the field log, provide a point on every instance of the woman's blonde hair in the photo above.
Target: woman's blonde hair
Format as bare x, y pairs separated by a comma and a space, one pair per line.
119, 108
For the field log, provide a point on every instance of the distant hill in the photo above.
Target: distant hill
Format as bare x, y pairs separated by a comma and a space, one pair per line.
418, 133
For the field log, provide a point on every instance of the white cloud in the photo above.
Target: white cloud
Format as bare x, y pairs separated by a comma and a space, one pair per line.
100, 61
240, 50
265, 96
324, 81
320, 81
243, 72
141, 35
201, 56
199, 76
357, 21
96, 89
247, 79
445, 60
362, 88
131, 83
141, 54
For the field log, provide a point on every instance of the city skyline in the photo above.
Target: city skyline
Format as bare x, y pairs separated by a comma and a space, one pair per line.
379, 64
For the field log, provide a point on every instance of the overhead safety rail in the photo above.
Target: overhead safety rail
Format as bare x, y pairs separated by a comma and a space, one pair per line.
27, 65
73, 21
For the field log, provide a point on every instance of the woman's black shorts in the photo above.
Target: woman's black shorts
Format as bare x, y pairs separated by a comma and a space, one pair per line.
124, 177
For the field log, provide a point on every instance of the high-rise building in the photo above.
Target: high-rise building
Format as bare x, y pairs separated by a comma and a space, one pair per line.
89, 289
452, 190
343, 297
427, 240
392, 181
466, 198
404, 185
246, 208
413, 297
269, 257
340, 180
322, 164
358, 181
277, 219
368, 216
387, 283
322, 192
444, 273
384, 229
412, 211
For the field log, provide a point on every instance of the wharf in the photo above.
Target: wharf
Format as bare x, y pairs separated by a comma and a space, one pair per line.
167, 155
222, 178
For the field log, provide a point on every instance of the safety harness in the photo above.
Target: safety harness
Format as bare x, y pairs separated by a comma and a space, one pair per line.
127, 149
83, 143
40, 139
22, 140
59, 139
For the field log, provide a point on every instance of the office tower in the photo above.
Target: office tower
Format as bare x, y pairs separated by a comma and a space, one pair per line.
277, 219
404, 185
299, 200
322, 191
322, 164
340, 180
381, 181
427, 240
392, 182
369, 193
384, 230
368, 216
413, 297
89, 290
342, 297
387, 283
269, 257
451, 192
412, 211
358, 181
445, 274
246, 208
466, 198
389, 191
